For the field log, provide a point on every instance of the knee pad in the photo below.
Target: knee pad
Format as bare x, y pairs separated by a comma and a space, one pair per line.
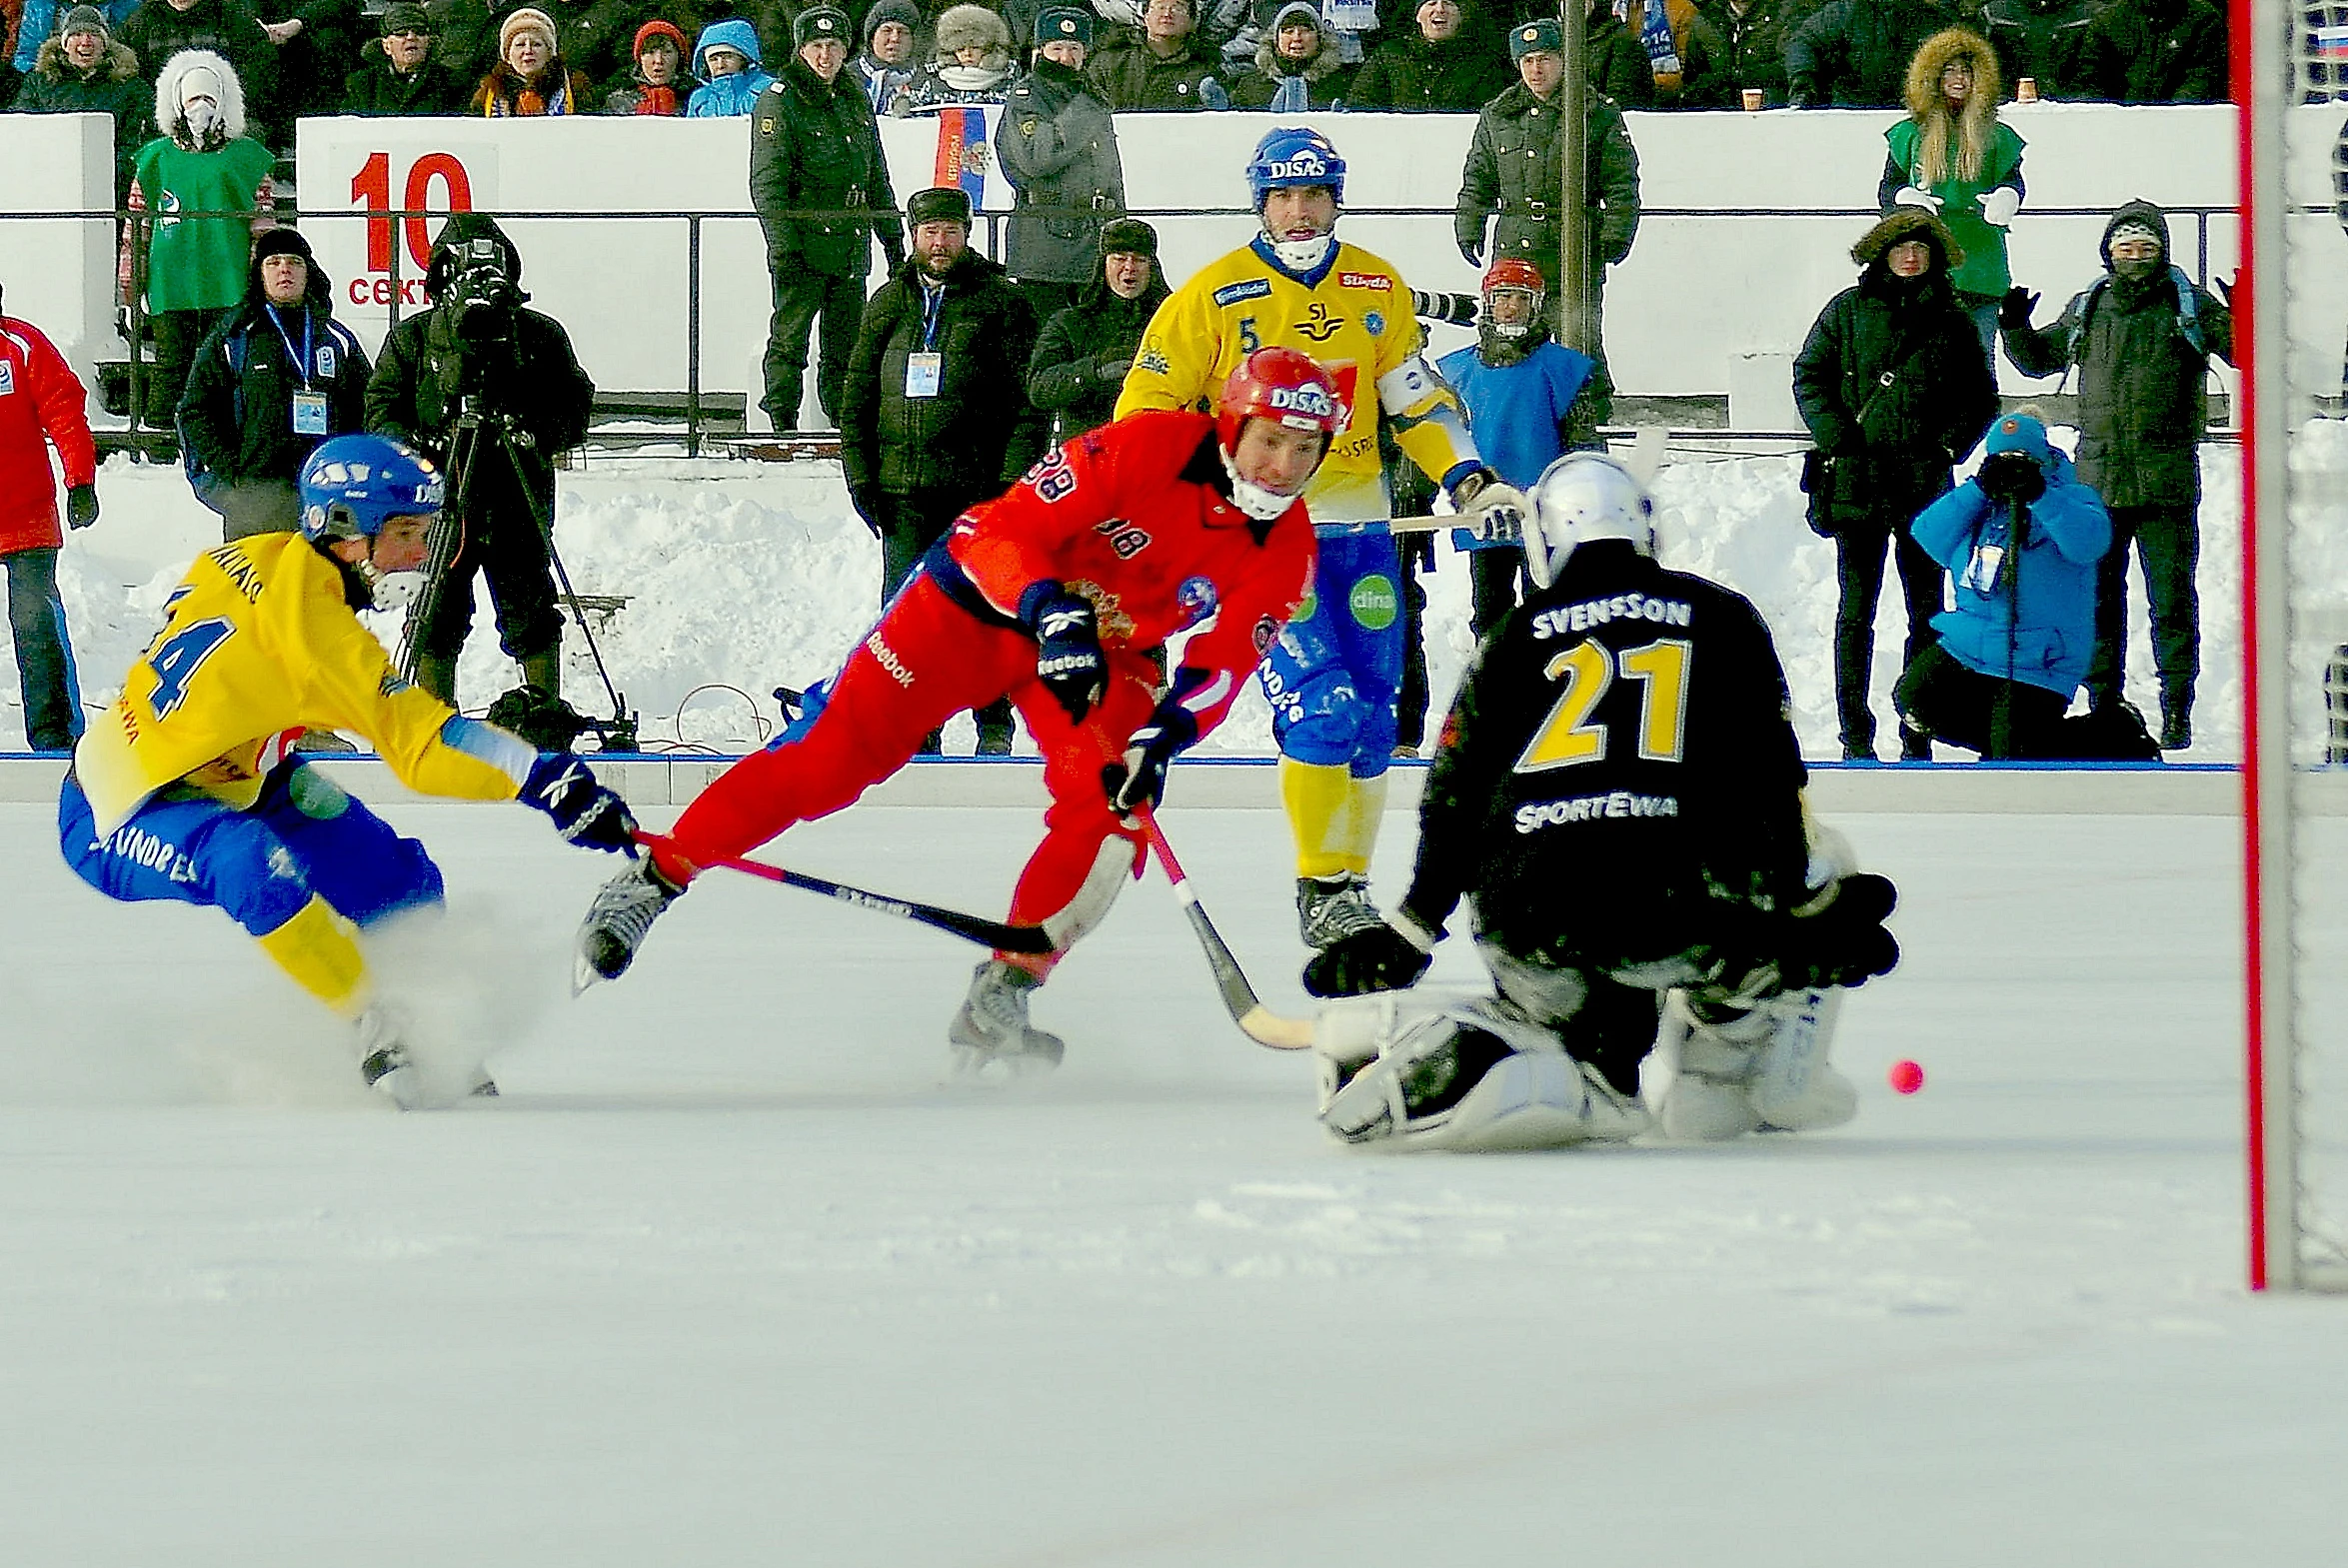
1111, 868
1462, 1073
1321, 719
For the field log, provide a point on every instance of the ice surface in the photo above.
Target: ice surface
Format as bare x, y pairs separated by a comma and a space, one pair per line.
730, 1279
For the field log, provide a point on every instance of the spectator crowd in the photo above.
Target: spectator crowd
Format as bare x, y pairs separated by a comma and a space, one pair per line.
1896, 381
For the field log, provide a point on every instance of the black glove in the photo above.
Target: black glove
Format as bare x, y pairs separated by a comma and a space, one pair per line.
866, 502
1378, 960
1138, 780
80, 505
2013, 312
1472, 252
1069, 660
1843, 944
585, 813
2226, 286
2012, 475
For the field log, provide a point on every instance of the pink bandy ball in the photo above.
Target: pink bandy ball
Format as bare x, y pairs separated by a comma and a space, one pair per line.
1906, 1076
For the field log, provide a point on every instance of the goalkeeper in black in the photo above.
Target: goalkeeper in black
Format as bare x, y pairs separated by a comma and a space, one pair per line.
1617, 795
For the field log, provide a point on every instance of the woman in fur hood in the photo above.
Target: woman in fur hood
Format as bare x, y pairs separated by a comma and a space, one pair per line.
1954, 156
972, 64
214, 180
1297, 65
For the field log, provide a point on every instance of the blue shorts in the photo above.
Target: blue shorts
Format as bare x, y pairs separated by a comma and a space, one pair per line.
306, 834
1333, 676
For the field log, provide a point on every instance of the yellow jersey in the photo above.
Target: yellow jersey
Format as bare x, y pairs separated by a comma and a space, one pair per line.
257, 644
1353, 314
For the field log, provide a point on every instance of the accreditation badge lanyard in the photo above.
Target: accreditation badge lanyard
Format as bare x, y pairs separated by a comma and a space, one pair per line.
309, 407
925, 372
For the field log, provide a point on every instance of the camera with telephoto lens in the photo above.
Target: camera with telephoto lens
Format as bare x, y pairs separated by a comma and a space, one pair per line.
480, 297
2012, 475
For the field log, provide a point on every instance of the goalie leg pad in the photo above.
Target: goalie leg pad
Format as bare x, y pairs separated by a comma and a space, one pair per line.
1766, 1068
1460, 1073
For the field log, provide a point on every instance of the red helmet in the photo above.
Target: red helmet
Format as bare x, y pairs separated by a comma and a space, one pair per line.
1282, 385
1513, 272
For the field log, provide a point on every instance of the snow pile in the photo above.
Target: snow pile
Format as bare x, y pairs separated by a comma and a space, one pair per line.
743, 576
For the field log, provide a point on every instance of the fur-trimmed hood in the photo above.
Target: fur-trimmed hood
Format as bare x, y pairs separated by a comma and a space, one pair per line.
974, 26
117, 64
168, 118
1324, 64
1932, 57
1908, 223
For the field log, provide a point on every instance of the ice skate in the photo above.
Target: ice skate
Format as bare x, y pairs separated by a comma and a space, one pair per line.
389, 1069
618, 922
991, 1032
1331, 909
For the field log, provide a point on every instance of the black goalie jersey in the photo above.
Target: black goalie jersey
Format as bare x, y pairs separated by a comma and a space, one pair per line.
1620, 756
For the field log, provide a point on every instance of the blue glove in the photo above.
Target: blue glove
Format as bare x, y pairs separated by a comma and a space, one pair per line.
1069, 660
1138, 781
585, 812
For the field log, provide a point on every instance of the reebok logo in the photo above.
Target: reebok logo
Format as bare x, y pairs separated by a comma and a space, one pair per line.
887, 657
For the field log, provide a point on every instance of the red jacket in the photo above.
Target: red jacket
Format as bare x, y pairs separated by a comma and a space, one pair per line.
1133, 517
41, 403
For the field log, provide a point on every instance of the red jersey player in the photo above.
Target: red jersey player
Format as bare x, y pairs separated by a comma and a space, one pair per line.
1055, 596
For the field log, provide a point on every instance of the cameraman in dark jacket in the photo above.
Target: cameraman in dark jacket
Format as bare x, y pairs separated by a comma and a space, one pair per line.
932, 417
1893, 400
478, 354
2021, 540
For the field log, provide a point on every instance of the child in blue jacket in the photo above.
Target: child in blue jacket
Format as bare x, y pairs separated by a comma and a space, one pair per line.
726, 62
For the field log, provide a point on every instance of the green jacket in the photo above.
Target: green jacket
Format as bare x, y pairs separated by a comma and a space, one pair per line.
1513, 169
194, 262
1984, 271
817, 176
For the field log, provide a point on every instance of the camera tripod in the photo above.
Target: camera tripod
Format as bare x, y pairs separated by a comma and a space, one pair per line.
474, 434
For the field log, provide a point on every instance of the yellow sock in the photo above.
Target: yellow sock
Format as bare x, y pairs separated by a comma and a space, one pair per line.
1319, 801
317, 949
1366, 806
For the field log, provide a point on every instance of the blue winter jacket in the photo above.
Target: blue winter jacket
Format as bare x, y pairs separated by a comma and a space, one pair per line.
726, 95
2067, 531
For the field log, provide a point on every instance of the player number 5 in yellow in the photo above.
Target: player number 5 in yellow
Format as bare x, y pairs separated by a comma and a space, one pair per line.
1568, 737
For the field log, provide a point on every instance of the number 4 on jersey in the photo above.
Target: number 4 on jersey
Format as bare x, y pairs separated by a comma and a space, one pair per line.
179, 658
1567, 737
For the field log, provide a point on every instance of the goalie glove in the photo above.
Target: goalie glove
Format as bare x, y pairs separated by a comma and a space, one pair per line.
1389, 956
1492, 507
1069, 660
585, 813
1136, 781
1842, 941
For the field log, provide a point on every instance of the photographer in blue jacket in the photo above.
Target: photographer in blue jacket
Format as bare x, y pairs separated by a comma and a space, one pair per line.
2021, 540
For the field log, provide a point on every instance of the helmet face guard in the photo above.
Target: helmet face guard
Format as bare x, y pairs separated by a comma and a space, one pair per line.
1581, 497
1288, 388
1513, 272
351, 486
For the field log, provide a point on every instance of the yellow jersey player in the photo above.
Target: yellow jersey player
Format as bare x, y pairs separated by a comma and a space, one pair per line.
1333, 675
186, 791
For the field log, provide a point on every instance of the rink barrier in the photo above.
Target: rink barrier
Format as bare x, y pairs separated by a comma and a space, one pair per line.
654, 784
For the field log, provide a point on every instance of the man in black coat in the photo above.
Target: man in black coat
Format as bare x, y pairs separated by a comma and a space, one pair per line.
2141, 336
933, 418
1081, 358
1893, 392
403, 71
478, 350
821, 192
274, 379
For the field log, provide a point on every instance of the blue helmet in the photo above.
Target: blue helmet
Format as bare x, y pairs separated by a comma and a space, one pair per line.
353, 484
1293, 155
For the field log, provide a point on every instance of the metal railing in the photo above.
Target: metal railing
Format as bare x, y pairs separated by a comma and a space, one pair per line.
992, 222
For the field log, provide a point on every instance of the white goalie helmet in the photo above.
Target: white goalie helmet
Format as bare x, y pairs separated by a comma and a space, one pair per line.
1580, 497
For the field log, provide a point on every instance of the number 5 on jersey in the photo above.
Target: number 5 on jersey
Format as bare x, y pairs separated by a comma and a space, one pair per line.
1568, 737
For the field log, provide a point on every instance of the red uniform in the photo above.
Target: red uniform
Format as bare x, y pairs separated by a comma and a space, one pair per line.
41, 403
1134, 518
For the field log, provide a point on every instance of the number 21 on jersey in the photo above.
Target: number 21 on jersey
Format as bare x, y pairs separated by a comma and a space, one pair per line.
1568, 735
